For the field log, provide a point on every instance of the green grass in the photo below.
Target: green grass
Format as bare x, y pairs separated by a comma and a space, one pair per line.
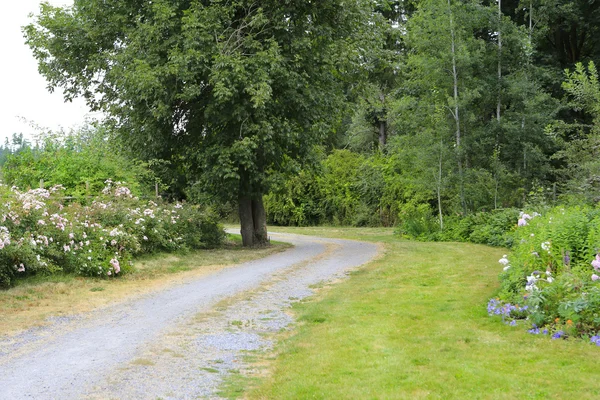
413, 324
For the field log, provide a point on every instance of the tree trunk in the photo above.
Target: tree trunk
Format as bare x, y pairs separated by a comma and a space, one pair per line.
456, 111
246, 221
382, 134
499, 105
259, 217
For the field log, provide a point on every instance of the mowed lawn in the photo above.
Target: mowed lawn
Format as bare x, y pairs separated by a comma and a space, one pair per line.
413, 324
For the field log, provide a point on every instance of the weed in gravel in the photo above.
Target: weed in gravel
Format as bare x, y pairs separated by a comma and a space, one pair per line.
143, 362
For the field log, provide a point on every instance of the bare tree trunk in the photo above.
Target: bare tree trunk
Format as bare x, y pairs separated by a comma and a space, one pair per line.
259, 218
246, 220
499, 105
439, 187
382, 134
456, 111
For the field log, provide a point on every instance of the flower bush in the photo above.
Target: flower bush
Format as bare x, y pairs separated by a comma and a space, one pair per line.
39, 233
553, 274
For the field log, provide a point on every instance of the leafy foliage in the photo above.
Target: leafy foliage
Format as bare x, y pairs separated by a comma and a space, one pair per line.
80, 161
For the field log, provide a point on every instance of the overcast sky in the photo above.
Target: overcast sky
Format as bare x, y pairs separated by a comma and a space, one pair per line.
23, 93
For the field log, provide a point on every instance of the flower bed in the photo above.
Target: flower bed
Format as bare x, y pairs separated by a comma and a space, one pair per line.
549, 283
39, 233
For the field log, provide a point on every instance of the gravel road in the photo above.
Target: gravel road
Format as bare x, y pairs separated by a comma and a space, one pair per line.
178, 343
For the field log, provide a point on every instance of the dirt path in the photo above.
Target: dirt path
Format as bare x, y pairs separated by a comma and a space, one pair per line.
178, 343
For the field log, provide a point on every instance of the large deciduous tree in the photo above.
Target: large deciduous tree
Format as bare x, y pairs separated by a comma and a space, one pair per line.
227, 91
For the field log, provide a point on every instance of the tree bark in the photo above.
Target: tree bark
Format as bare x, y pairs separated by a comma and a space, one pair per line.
259, 218
499, 105
382, 134
456, 111
246, 221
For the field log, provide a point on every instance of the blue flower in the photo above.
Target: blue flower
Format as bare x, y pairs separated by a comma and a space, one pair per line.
558, 335
535, 330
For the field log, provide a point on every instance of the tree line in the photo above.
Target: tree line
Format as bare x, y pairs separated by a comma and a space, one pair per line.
340, 111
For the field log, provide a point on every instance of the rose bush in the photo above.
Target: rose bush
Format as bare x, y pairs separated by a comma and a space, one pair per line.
39, 233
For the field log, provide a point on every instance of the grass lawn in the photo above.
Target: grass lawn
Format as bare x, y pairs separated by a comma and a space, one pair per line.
412, 325
34, 299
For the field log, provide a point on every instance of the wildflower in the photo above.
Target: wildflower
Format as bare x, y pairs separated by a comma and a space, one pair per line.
558, 335
595, 339
567, 258
145, 238
521, 222
569, 322
41, 222
503, 260
21, 268
115, 264
531, 282
534, 330
595, 277
596, 262
546, 246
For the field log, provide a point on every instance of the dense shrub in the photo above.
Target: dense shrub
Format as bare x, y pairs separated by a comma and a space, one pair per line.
40, 234
552, 272
494, 228
80, 162
345, 189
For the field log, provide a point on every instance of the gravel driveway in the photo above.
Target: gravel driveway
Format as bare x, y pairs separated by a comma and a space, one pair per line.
178, 343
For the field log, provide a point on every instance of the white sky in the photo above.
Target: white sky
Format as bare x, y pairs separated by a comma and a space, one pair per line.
23, 93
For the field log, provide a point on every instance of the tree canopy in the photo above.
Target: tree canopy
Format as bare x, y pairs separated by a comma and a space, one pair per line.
226, 91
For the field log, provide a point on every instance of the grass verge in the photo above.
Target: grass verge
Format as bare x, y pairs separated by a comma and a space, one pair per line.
34, 300
413, 324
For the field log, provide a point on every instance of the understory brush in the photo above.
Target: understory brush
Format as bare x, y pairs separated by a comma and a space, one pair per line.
493, 228
40, 234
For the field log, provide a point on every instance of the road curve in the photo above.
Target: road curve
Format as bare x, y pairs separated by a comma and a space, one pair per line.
88, 351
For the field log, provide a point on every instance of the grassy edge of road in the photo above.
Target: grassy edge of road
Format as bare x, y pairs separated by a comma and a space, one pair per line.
37, 299
413, 324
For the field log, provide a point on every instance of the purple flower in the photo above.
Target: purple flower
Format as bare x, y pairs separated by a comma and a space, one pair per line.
534, 330
596, 262
558, 335
567, 258
595, 339
545, 331
522, 222
595, 277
